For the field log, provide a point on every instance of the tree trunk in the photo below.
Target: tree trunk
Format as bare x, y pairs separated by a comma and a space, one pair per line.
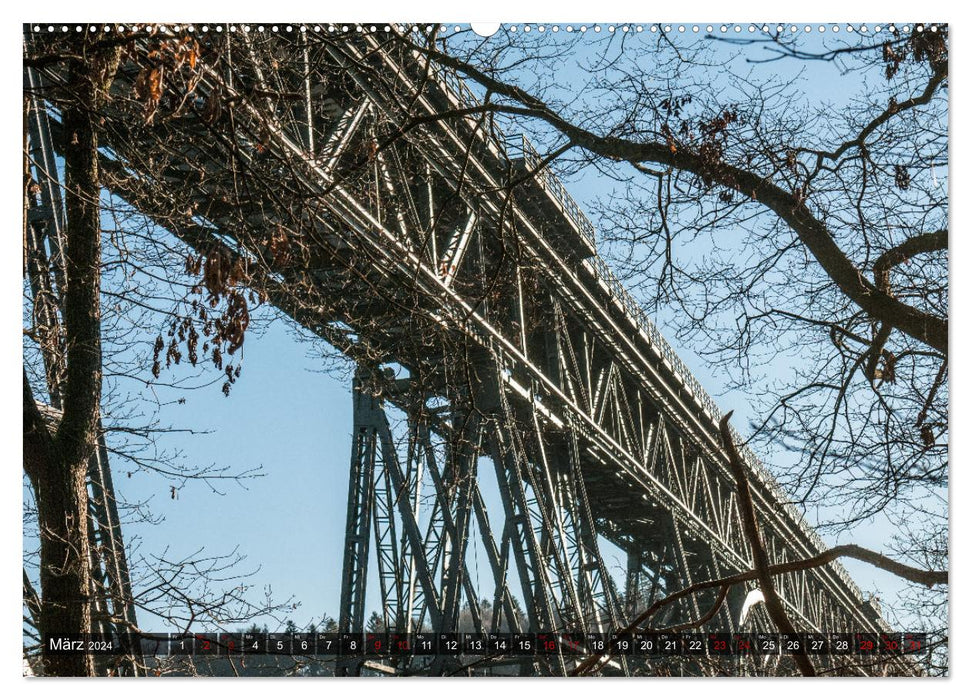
60, 462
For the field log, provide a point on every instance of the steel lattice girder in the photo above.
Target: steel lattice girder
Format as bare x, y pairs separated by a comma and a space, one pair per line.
639, 429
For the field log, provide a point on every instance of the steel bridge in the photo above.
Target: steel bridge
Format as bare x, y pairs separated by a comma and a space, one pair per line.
371, 199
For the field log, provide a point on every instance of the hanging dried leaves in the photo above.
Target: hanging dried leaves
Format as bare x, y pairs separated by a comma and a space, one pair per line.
156, 365
220, 275
212, 108
172, 58
185, 51
148, 89
901, 177
218, 320
714, 134
669, 138
278, 248
924, 46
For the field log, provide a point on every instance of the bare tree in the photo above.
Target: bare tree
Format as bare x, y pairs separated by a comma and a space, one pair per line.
93, 304
57, 464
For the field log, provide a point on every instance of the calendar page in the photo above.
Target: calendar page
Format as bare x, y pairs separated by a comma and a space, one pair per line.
536, 349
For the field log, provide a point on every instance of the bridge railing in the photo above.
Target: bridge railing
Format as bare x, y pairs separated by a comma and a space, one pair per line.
519, 147
462, 95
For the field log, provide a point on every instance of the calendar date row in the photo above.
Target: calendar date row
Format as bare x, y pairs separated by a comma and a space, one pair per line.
495, 644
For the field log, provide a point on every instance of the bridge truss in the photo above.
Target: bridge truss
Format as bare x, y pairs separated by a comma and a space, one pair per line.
369, 197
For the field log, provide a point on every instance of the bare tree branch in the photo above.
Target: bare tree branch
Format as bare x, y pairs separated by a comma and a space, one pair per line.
775, 606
